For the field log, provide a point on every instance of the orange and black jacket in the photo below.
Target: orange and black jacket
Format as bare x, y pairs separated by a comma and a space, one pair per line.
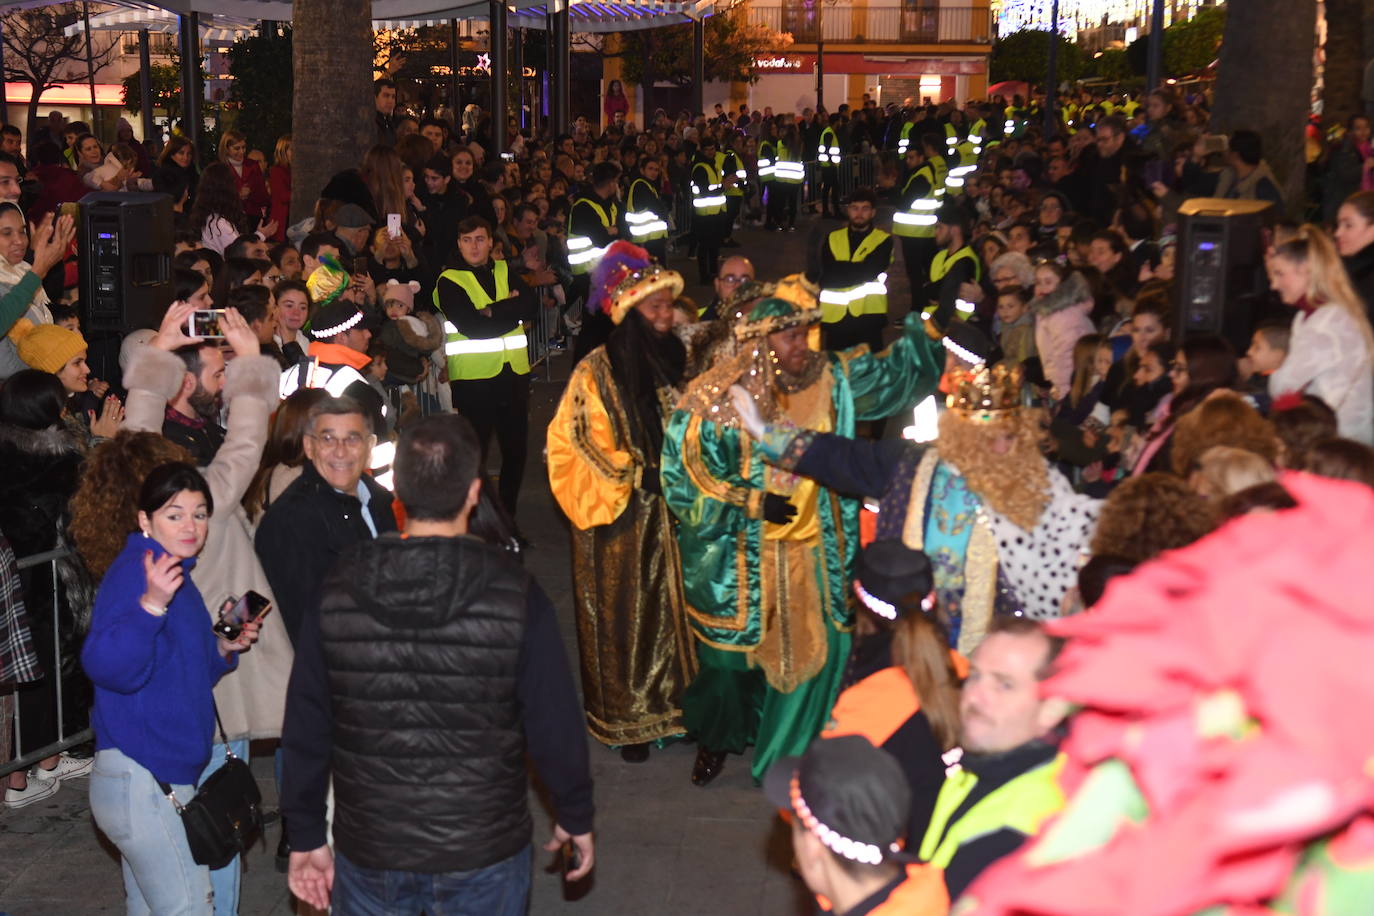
881, 704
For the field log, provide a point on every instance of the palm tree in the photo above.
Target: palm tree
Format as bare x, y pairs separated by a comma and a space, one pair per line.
1264, 81
1344, 59
333, 115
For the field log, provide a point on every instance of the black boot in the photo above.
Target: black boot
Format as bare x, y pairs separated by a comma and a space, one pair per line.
635, 753
283, 851
708, 766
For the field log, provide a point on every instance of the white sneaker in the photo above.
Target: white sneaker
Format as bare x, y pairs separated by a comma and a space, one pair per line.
37, 790
68, 767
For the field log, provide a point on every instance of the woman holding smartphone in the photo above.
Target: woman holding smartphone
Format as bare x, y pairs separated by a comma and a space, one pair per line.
154, 660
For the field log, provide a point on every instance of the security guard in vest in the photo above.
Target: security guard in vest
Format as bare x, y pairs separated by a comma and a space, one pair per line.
789, 172
846, 801
914, 221
1007, 785
593, 224
907, 136
935, 155
955, 263
708, 208
646, 213
828, 155
728, 164
766, 164
854, 263
486, 309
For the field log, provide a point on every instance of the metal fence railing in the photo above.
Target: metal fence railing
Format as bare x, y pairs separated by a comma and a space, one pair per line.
24, 755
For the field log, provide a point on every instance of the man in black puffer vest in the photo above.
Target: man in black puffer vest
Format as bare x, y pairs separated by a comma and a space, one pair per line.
433, 666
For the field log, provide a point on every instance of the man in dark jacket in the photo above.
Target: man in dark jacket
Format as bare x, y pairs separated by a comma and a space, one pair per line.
434, 665
330, 507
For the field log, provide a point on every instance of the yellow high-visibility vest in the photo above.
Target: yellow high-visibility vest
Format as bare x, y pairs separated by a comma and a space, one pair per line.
864, 299
917, 221
473, 358
583, 254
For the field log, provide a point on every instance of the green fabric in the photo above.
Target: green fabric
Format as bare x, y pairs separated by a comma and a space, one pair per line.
16, 302
867, 386
729, 706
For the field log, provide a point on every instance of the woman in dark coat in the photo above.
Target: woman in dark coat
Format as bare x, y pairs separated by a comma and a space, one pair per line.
42, 461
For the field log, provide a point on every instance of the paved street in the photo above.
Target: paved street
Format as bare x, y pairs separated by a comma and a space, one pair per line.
663, 845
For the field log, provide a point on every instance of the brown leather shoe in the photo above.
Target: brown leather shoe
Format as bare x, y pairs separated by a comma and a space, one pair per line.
708, 766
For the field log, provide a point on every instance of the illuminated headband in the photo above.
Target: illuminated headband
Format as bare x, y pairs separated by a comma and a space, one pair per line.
882, 608
326, 333
854, 850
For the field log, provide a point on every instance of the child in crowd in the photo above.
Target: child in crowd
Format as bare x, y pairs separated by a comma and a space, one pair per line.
1017, 335
409, 338
1268, 348
66, 316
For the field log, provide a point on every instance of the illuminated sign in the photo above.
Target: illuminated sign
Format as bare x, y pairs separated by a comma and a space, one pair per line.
777, 63
479, 70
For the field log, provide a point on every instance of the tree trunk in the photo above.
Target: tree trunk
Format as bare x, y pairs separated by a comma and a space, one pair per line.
333, 115
1264, 82
1344, 60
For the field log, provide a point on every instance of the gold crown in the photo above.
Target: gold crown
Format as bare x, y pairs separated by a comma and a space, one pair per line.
984, 393
636, 284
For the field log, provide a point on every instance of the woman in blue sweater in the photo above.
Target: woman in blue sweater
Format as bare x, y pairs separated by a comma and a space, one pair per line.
153, 661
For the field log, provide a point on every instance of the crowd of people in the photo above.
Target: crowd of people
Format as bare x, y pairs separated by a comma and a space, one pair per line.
763, 554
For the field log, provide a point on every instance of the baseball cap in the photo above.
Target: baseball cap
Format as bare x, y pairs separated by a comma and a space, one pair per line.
352, 216
853, 796
888, 574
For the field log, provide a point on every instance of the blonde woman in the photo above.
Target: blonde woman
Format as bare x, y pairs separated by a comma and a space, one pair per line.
1331, 350
279, 185
252, 186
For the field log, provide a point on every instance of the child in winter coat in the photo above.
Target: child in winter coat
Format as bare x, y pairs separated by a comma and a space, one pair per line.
409, 338
1061, 305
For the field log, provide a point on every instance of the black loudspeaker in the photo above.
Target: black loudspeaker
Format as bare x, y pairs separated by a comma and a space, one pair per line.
1220, 267
125, 240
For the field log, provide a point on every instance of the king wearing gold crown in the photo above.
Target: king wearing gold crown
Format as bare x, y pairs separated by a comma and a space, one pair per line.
603, 456
1004, 530
766, 554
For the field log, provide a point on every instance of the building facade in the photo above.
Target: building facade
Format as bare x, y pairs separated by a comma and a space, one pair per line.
889, 50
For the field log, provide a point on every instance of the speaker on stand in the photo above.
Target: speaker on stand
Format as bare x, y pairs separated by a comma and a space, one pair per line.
125, 240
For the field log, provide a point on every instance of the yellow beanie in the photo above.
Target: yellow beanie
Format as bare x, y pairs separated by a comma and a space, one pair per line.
49, 347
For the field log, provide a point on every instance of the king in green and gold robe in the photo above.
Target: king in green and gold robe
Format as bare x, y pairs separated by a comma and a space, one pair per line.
769, 604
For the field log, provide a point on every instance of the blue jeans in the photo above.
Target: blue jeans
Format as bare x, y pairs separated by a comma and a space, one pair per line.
502, 889
225, 881
159, 874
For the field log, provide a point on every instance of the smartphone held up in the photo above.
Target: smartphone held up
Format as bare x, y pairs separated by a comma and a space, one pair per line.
236, 612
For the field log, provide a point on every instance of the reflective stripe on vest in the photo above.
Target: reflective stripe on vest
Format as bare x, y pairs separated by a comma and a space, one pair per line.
787, 170
941, 172
828, 152
904, 138
1023, 804
767, 156
868, 298
708, 200
645, 225
723, 162
918, 220
942, 264
582, 253
473, 358
951, 136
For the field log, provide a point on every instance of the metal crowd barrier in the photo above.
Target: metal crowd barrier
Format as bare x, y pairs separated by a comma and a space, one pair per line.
540, 332
52, 668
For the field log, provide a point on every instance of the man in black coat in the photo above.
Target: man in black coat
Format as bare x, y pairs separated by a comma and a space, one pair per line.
434, 666
329, 508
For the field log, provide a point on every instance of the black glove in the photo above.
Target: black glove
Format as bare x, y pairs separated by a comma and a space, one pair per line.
778, 509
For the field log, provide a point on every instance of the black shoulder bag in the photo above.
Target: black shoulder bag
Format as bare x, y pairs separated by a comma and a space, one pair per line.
225, 817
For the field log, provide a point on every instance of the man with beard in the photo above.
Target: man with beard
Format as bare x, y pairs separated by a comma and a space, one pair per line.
1003, 530
604, 447
192, 417
854, 263
766, 555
